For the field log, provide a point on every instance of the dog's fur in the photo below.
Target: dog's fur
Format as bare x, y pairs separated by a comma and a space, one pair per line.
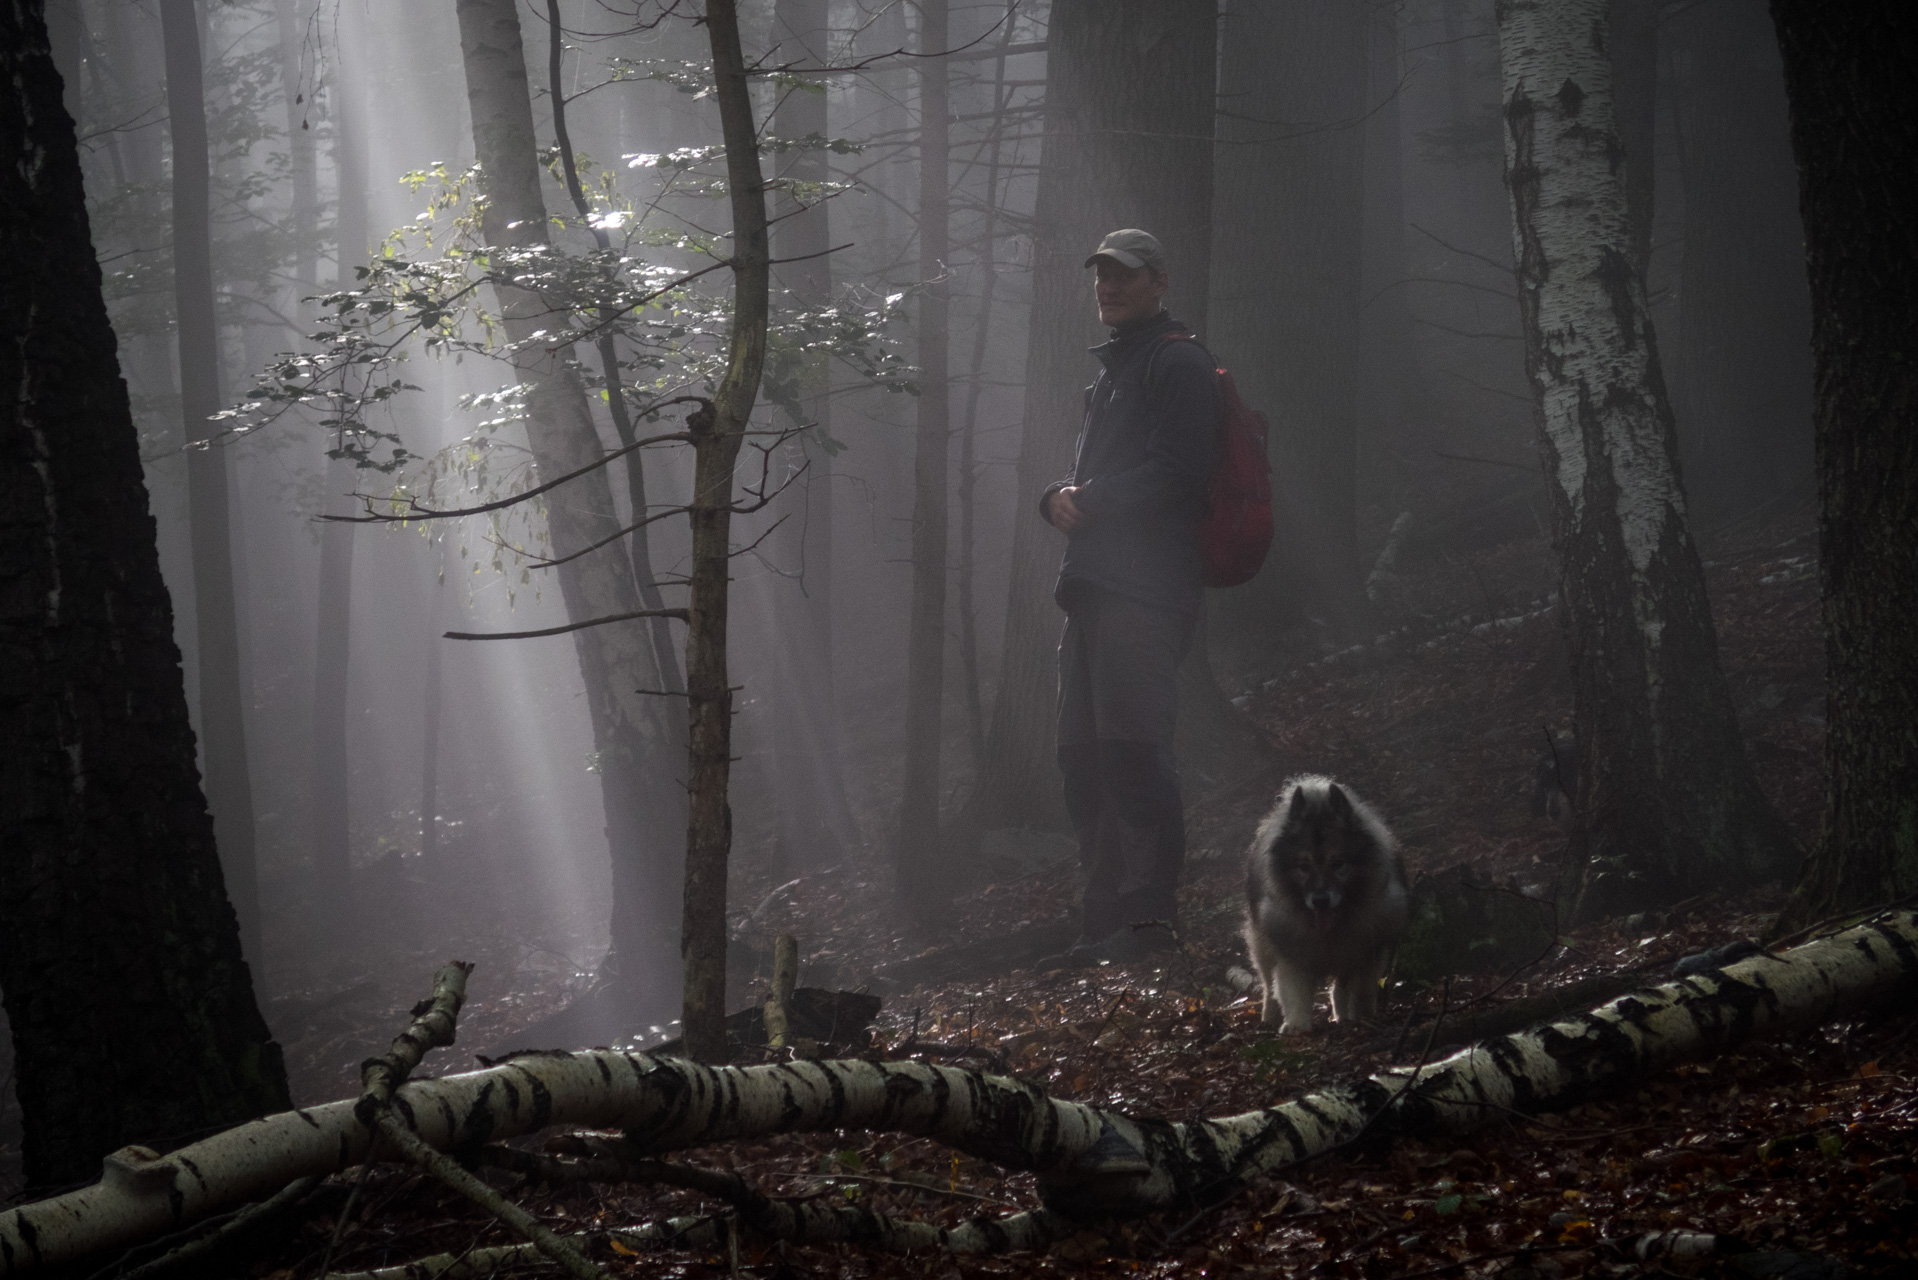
1325, 897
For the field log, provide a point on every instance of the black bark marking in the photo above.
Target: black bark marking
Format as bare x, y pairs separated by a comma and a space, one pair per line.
836, 1097
176, 1203
304, 1116
405, 1109
512, 1095
29, 1234
790, 1112
346, 1153
194, 1169
1278, 1124
477, 1126
542, 1099
1570, 98
605, 1069
447, 1115
1617, 277
1906, 953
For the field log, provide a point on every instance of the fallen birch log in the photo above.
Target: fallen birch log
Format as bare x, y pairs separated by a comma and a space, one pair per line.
1091, 1162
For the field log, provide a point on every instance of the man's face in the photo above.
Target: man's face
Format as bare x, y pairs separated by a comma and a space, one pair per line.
1126, 293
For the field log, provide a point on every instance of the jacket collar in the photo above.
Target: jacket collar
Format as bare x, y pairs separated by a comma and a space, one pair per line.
1127, 339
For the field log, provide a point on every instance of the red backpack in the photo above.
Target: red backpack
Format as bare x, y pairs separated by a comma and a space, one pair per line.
1238, 524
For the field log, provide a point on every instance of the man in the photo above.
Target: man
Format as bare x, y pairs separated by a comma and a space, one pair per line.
1129, 584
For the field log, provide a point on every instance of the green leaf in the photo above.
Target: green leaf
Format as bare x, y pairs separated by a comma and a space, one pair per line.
1447, 1204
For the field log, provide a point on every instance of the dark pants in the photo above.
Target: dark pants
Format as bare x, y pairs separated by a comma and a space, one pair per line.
1118, 701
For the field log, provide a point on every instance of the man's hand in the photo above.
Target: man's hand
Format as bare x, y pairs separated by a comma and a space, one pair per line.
1064, 512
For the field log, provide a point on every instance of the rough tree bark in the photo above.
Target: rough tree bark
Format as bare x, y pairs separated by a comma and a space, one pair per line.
1854, 121
1744, 394
637, 766
1291, 181
229, 785
717, 436
1129, 101
332, 649
117, 944
917, 851
1666, 797
1091, 1162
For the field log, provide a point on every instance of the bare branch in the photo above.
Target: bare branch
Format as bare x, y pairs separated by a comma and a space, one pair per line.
571, 626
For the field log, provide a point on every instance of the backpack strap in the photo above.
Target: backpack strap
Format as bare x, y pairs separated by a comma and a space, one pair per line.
1167, 340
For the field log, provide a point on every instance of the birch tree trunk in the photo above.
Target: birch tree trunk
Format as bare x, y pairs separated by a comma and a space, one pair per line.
1854, 122
1128, 110
229, 784
1667, 800
118, 946
332, 649
637, 769
1091, 1162
717, 436
918, 864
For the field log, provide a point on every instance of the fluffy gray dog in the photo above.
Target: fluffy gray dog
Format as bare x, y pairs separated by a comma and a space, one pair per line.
1325, 898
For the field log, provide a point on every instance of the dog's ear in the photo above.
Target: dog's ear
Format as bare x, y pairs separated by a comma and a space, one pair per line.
1295, 811
1338, 802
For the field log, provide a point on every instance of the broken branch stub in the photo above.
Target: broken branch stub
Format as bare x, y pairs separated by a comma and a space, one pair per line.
1090, 1161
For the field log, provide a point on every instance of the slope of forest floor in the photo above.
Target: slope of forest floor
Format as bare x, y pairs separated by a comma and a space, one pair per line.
1799, 1146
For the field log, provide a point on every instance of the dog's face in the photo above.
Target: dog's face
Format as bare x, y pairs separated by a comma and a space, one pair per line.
1321, 854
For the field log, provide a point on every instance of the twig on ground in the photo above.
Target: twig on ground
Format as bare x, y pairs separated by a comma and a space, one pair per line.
785, 974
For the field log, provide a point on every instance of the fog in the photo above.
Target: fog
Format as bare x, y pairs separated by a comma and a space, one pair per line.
1358, 207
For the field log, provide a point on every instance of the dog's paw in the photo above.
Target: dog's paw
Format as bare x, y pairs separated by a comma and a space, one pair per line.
1295, 1029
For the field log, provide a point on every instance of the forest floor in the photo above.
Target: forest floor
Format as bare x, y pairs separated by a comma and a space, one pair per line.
1799, 1147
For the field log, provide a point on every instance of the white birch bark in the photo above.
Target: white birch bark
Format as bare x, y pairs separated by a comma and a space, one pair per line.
1090, 1161
1665, 784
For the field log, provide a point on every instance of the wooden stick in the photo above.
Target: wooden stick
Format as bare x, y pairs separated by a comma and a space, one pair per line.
785, 974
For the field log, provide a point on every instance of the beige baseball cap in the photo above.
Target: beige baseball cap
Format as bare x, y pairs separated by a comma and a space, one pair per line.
1131, 248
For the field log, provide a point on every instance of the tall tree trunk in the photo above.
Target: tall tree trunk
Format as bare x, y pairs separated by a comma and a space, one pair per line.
1394, 397
814, 816
639, 542
717, 435
297, 83
430, 715
917, 850
67, 30
1129, 102
1854, 125
1291, 185
331, 818
968, 431
1745, 408
229, 785
118, 947
638, 774
1666, 798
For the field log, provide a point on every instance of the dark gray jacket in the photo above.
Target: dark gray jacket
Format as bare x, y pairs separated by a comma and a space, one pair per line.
1145, 457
